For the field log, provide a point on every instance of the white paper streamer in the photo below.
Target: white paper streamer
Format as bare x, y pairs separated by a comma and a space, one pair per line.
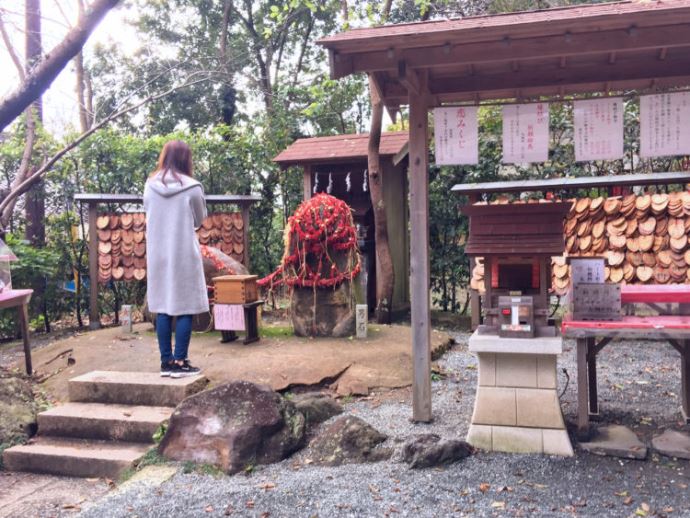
329, 188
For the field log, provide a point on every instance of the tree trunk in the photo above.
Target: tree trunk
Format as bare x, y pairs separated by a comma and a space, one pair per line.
385, 276
35, 206
47, 69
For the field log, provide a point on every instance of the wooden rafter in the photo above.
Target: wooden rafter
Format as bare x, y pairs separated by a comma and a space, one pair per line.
514, 50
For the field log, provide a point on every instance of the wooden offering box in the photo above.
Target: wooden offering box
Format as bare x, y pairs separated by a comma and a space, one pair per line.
236, 289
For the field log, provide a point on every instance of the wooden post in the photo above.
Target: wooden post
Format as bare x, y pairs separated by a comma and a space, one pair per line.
306, 182
582, 390
419, 257
94, 314
592, 376
685, 381
24, 323
245, 233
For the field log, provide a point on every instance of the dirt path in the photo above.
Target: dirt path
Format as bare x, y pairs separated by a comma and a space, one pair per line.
351, 366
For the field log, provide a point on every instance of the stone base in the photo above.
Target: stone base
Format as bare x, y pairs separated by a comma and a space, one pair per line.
516, 406
515, 439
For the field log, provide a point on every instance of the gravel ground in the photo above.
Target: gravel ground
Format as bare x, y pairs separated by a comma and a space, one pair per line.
638, 384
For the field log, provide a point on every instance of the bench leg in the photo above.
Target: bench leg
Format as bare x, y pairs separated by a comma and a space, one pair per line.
24, 324
582, 390
228, 336
685, 380
250, 325
592, 378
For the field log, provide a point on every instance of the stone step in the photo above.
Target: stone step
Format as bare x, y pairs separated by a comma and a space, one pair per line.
103, 421
74, 457
133, 388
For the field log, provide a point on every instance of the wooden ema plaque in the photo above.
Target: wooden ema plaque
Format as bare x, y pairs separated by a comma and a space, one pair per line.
236, 289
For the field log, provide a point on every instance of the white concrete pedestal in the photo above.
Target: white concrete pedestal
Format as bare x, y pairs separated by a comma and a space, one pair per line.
516, 408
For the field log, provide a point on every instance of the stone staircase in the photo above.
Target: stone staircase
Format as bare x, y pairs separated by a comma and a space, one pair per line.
107, 425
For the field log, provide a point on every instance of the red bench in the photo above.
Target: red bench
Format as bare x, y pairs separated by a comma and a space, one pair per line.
593, 336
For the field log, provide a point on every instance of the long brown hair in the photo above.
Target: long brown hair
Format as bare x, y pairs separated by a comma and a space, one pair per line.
175, 157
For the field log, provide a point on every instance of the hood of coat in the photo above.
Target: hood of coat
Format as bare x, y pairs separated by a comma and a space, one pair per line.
170, 185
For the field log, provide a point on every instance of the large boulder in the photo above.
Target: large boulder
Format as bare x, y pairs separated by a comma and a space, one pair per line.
426, 450
348, 440
323, 311
234, 426
217, 263
317, 407
17, 409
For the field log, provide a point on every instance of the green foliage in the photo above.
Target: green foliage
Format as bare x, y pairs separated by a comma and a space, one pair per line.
160, 432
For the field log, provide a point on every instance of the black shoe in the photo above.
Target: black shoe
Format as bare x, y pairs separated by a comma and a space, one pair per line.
184, 370
166, 369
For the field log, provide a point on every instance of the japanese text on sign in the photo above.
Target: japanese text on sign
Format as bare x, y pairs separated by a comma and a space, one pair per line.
665, 124
455, 134
525, 133
228, 317
598, 129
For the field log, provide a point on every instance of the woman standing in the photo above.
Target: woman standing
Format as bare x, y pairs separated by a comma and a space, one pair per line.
175, 207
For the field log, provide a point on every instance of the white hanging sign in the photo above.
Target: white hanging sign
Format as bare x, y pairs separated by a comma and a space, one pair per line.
599, 129
456, 136
665, 124
525, 133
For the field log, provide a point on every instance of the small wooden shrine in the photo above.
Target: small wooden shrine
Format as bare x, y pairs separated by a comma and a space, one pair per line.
516, 407
337, 165
517, 242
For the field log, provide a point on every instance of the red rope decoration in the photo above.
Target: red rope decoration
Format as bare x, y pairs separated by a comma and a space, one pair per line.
319, 227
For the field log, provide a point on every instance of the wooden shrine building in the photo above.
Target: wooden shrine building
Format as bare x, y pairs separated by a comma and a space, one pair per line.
517, 57
341, 162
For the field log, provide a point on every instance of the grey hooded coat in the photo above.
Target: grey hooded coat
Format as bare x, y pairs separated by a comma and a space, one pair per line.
174, 268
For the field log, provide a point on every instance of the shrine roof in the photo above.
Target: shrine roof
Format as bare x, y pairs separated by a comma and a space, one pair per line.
613, 47
341, 148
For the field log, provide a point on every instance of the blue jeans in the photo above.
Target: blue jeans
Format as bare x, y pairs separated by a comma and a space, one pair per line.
183, 332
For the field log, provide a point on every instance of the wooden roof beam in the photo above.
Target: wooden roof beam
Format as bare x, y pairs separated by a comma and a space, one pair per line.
555, 77
408, 78
450, 53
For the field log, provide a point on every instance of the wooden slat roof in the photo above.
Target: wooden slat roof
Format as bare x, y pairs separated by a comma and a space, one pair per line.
481, 28
340, 148
613, 47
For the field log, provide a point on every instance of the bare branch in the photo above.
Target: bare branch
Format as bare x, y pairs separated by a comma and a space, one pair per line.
10, 49
24, 166
26, 184
43, 74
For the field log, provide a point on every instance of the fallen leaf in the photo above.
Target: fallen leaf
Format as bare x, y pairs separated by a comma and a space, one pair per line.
498, 505
484, 487
579, 503
622, 493
229, 510
640, 512
249, 504
504, 489
628, 500
267, 486
265, 514
209, 509
668, 509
